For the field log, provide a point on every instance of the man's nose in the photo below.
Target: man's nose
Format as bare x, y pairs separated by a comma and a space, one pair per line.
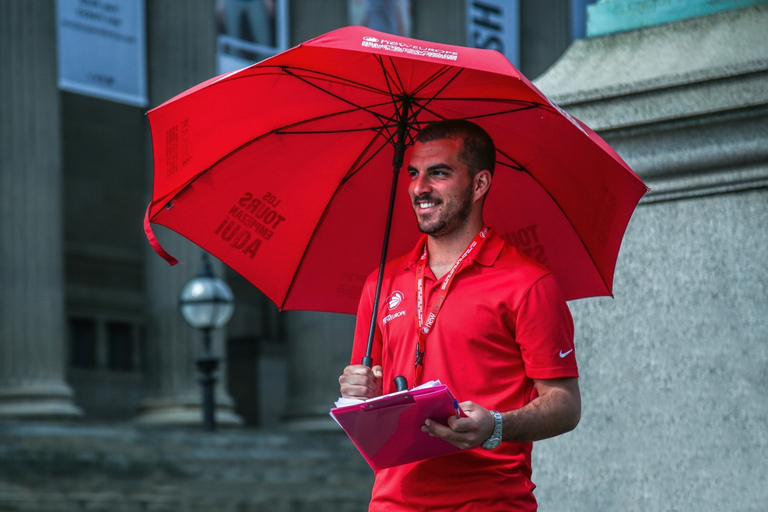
421, 185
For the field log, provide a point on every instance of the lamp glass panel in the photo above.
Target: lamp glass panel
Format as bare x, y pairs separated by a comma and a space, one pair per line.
206, 303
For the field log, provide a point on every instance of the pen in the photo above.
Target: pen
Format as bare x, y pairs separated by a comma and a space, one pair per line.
456, 406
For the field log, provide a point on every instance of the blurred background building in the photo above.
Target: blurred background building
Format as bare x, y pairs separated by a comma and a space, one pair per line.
95, 357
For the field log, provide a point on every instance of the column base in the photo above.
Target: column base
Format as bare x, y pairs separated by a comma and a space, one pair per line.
165, 412
42, 402
312, 424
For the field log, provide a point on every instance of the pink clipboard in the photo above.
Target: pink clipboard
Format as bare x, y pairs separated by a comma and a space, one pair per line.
387, 430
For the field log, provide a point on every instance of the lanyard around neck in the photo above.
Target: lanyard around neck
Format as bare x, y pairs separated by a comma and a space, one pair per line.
424, 326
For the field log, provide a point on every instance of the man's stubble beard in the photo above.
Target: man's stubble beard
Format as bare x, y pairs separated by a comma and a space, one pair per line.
449, 221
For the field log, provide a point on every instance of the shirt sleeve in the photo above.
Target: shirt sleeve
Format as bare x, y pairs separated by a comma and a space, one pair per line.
544, 331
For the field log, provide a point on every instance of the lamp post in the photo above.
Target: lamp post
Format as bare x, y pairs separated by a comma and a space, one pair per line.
207, 303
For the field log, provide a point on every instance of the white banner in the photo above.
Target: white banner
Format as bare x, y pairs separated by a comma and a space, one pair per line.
101, 47
495, 25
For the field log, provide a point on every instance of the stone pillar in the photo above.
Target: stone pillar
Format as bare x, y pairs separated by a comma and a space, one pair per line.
546, 32
181, 52
319, 345
32, 327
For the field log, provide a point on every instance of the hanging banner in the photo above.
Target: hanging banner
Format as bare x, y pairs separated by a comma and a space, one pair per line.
495, 25
101, 48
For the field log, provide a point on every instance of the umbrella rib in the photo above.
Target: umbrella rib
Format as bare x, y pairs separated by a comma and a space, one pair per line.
358, 165
292, 71
522, 168
386, 122
358, 107
415, 113
517, 165
354, 169
523, 106
434, 96
578, 235
387, 79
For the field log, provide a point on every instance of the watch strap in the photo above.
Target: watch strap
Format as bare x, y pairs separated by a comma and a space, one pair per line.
495, 439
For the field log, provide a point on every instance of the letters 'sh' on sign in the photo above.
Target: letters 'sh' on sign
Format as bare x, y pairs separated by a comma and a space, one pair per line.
495, 25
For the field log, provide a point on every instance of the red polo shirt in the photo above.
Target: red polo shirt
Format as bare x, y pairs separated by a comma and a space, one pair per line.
504, 322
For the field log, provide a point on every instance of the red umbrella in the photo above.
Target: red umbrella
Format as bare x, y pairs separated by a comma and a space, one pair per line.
282, 169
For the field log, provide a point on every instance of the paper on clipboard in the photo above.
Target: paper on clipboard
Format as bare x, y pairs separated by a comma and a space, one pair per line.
387, 429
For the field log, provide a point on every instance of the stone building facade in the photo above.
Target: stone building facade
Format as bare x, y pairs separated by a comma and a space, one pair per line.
673, 367
90, 322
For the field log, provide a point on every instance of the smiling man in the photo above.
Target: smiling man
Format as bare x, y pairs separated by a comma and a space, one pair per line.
476, 314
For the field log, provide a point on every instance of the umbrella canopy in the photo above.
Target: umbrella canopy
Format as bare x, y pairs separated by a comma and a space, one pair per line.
283, 170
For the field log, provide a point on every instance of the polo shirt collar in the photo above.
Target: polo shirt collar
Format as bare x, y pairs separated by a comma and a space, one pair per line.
487, 254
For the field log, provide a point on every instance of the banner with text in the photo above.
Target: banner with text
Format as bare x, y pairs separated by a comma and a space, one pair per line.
101, 48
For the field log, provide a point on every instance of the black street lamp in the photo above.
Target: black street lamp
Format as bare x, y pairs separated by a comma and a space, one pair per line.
207, 303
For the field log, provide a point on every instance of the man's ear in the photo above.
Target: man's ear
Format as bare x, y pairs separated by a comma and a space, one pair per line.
482, 182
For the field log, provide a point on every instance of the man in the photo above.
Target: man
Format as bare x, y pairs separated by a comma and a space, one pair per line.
499, 334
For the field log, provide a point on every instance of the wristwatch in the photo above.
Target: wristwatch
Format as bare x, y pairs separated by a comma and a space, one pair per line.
495, 440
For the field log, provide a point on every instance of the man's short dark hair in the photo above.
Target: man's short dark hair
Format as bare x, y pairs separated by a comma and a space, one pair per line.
478, 151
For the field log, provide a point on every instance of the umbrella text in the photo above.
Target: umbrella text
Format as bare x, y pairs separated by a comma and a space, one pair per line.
402, 47
526, 240
260, 210
247, 225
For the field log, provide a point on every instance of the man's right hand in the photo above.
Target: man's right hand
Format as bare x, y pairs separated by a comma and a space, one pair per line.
359, 381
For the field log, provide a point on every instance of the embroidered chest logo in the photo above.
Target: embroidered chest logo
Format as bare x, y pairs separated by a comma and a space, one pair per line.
394, 300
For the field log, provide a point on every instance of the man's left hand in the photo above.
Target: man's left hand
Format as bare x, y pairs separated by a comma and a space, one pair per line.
465, 432
555, 411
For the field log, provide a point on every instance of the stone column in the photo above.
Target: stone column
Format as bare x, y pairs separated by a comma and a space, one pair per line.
545, 29
32, 334
319, 345
181, 53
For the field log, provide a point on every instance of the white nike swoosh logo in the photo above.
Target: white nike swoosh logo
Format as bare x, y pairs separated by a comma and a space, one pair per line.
565, 354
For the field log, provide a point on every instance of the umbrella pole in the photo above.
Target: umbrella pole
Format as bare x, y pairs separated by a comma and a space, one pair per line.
397, 164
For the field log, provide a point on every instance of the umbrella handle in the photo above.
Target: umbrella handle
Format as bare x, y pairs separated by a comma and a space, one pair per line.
401, 384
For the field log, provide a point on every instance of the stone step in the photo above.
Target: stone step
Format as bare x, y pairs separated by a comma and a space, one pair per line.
45, 467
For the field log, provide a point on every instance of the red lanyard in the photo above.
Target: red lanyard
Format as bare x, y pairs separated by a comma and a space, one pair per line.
424, 327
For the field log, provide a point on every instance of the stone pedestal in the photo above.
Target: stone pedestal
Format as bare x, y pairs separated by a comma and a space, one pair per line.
673, 368
32, 327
